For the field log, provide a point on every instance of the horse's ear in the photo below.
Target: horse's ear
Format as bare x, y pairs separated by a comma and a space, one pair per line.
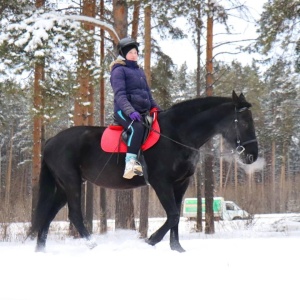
238, 99
235, 98
242, 97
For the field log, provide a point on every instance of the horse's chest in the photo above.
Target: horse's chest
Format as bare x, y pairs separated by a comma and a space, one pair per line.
186, 165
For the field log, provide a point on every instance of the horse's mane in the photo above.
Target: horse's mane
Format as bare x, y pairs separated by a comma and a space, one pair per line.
201, 103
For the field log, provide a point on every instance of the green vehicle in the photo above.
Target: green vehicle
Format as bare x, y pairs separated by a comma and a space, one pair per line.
223, 210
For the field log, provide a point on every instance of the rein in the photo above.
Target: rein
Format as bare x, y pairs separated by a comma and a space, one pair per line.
170, 139
239, 149
240, 146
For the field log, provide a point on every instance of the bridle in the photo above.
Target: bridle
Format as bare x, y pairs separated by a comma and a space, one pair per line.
240, 145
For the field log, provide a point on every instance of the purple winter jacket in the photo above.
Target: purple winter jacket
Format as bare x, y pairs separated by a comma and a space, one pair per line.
131, 91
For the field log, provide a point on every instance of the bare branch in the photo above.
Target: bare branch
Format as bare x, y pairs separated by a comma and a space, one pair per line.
232, 42
225, 52
88, 20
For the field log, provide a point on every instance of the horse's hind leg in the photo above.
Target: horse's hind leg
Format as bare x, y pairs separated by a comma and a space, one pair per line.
73, 190
59, 201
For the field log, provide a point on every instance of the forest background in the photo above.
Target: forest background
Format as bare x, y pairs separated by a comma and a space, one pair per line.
54, 73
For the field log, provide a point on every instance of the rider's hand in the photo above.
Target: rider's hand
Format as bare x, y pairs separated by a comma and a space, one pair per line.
135, 116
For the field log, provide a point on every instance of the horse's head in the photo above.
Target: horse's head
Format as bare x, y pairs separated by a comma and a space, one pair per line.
241, 134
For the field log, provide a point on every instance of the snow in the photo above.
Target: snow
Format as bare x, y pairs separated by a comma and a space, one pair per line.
240, 261
243, 260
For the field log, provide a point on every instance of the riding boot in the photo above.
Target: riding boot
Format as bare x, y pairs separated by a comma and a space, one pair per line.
132, 168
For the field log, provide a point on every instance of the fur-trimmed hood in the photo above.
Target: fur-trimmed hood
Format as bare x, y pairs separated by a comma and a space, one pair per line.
119, 61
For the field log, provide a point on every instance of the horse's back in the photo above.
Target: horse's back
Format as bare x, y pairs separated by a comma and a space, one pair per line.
67, 146
72, 136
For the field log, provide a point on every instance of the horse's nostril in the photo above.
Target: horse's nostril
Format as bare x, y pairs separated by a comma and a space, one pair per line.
250, 158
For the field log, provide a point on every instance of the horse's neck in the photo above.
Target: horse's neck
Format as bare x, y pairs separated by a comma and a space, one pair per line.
198, 128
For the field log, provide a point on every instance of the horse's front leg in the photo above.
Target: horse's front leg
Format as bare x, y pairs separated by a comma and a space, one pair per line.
158, 235
179, 190
167, 199
174, 239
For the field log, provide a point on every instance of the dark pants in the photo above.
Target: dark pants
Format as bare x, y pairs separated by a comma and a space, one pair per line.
135, 130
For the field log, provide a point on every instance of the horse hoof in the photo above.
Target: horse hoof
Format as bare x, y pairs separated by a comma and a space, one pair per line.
149, 242
177, 247
91, 243
40, 248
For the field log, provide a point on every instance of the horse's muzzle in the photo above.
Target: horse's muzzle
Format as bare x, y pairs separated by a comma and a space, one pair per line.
249, 159
250, 153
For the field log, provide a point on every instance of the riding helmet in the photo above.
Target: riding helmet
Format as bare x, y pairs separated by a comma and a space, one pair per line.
126, 44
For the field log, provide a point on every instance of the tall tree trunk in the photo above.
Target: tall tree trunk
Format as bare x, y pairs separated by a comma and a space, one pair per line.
209, 53
124, 213
136, 17
84, 102
209, 179
38, 128
198, 24
124, 216
144, 202
221, 167
120, 14
144, 208
199, 226
90, 10
209, 192
147, 50
1, 179
103, 211
7, 202
235, 179
103, 206
274, 206
102, 58
282, 189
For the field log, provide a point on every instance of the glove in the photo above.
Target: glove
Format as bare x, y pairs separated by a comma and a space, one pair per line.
135, 116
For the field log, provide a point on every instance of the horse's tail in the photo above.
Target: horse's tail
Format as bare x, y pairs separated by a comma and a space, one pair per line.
46, 193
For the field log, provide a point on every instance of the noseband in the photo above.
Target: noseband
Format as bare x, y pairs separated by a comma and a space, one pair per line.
240, 145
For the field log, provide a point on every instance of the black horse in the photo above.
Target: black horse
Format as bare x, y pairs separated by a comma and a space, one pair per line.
74, 155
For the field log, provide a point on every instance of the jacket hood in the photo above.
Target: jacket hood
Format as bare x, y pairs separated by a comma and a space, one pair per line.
118, 61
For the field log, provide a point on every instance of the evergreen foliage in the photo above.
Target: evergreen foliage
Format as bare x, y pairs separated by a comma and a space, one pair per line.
279, 27
28, 35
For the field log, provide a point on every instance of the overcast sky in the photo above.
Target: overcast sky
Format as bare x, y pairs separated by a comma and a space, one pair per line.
184, 51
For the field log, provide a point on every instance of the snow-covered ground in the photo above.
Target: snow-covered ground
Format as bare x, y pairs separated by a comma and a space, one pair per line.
259, 260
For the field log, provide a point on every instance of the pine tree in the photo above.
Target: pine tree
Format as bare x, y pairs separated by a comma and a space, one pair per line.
279, 28
162, 77
280, 112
